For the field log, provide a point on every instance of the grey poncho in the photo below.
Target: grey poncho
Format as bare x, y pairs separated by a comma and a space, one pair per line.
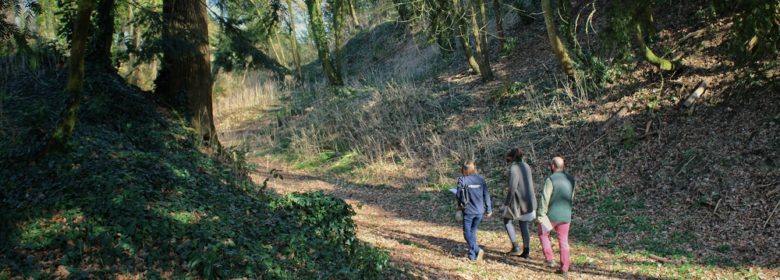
521, 198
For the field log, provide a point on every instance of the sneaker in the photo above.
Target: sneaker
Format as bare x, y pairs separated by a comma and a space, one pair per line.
550, 264
480, 255
563, 274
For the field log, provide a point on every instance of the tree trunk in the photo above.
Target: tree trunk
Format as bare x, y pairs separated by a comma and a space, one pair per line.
78, 48
294, 39
338, 27
352, 13
101, 54
321, 42
555, 41
276, 52
498, 8
460, 22
185, 80
135, 73
642, 20
479, 28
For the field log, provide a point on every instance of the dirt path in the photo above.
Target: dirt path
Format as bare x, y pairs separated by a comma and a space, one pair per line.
424, 240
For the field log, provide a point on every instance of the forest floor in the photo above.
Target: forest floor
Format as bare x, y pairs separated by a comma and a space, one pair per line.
417, 227
664, 192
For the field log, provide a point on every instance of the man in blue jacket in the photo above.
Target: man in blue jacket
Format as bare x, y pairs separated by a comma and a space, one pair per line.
474, 198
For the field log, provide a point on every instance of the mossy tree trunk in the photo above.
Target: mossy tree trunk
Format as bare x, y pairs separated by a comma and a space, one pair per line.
352, 13
555, 40
278, 54
461, 25
294, 39
101, 53
337, 15
643, 21
185, 81
317, 26
78, 48
479, 28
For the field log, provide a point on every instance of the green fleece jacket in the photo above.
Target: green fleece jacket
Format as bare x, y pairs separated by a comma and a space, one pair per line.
557, 197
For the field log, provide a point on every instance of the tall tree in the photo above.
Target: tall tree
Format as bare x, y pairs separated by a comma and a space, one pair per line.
294, 39
643, 21
479, 28
499, 14
185, 80
462, 34
319, 36
75, 84
561, 53
352, 13
338, 10
101, 52
625, 18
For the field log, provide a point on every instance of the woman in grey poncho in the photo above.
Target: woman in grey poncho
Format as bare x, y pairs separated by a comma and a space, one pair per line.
520, 202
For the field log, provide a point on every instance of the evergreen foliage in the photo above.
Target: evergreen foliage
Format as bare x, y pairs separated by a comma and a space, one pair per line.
135, 197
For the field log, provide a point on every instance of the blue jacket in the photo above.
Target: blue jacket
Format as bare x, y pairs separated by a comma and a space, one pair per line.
473, 195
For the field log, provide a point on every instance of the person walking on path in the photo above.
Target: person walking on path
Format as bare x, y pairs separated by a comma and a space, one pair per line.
520, 201
474, 198
556, 205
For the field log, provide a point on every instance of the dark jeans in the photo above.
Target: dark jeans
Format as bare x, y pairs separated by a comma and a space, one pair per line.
470, 224
510, 230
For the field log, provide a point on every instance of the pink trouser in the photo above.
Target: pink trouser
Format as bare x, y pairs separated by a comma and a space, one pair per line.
563, 241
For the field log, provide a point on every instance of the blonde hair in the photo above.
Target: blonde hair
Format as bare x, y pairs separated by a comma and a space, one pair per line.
468, 168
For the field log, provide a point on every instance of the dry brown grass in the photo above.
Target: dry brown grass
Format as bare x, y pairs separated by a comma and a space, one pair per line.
241, 97
407, 131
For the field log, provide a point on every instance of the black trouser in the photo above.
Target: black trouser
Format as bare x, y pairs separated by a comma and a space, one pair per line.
510, 229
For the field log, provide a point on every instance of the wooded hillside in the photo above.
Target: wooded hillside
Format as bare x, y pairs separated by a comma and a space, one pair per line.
319, 138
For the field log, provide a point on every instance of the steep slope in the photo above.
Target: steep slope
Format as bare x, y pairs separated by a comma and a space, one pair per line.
135, 198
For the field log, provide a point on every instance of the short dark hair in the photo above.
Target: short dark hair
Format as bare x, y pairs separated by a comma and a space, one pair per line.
514, 154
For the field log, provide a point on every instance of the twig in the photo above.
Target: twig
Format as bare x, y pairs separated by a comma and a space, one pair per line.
617, 115
770, 214
665, 260
716, 206
647, 135
684, 165
591, 143
696, 33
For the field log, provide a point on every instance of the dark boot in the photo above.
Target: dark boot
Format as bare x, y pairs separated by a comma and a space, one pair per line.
515, 250
525, 253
